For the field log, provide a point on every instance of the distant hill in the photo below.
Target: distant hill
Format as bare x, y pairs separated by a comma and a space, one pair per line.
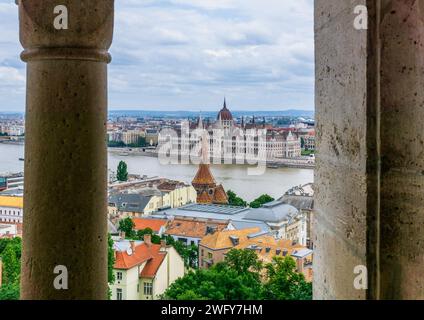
209, 114
192, 114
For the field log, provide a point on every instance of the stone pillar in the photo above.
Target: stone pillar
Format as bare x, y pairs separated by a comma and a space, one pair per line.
370, 163
402, 150
65, 221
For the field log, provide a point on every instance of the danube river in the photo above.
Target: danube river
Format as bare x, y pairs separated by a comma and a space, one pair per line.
273, 182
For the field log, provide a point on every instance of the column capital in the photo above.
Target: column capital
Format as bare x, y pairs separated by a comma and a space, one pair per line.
88, 35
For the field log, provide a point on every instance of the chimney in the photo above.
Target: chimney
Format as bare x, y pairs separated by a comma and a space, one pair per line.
132, 244
148, 239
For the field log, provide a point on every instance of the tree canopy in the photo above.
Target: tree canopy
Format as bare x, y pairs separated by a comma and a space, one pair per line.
122, 172
259, 202
127, 225
234, 200
242, 276
10, 254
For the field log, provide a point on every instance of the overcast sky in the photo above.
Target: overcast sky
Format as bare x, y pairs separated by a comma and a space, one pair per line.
189, 54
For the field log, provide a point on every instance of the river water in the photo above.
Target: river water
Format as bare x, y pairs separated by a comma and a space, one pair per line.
274, 182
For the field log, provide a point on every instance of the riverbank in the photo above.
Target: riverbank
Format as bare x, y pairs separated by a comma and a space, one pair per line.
274, 164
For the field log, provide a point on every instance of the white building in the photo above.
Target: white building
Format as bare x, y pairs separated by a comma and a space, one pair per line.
143, 271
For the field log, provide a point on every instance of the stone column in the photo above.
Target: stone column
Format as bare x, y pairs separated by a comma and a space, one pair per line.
65, 218
370, 163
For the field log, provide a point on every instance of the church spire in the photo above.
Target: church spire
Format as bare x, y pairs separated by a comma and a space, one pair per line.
225, 103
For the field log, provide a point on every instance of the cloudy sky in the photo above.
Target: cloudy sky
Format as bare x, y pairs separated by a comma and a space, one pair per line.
189, 54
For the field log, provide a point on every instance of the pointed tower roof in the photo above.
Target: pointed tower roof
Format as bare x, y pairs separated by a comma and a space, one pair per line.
225, 114
200, 122
204, 176
220, 196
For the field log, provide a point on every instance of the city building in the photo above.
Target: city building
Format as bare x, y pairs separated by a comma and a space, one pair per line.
300, 227
138, 204
231, 147
214, 247
179, 193
158, 226
272, 218
143, 270
143, 197
192, 230
309, 141
8, 230
11, 209
13, 181
275, 214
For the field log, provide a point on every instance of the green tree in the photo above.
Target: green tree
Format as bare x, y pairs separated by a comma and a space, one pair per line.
284, 283
141, 142
259, 202
10, 254
241, 277
11, 263
154, 237
127, 225
110, 263
234, 200
243, 261
122, 173
9, 292
116, 144
190, 253
222, 281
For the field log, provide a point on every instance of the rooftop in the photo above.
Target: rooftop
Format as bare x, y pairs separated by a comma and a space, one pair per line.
226, 239
194, 228
154, 224
143, 253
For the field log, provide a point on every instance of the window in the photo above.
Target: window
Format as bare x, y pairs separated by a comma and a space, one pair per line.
148, 288
118, 294
119, 275
209, 255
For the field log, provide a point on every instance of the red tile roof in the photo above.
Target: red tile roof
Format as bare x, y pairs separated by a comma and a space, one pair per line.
154, 224
143, 253
151, 268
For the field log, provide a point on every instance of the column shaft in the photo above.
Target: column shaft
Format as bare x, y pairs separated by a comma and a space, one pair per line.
65, 218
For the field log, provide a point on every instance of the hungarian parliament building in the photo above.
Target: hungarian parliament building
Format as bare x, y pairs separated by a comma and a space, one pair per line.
243, 141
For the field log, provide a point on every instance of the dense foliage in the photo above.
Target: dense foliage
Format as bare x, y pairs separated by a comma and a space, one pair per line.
189, 253
243, 277
127, 225
10, 254
110, 263
259, 202
234, 200
122, 173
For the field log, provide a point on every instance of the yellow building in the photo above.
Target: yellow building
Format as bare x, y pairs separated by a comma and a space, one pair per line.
11, 209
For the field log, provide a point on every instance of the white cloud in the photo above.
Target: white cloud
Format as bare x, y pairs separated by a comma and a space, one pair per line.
188, 54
